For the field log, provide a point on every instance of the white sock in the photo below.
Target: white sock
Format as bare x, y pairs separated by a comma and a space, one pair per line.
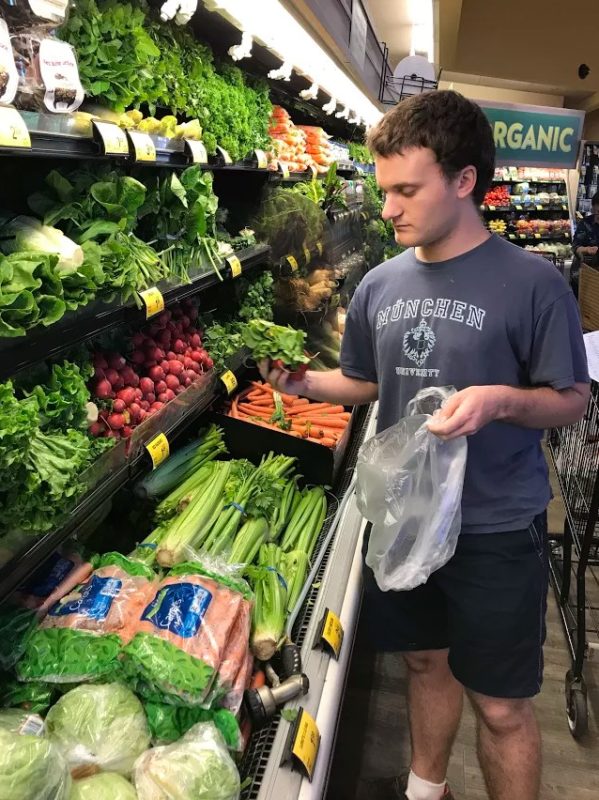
419, 789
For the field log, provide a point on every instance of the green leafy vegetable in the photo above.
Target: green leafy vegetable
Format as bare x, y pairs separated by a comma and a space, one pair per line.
103, 786
277, 342
32, 768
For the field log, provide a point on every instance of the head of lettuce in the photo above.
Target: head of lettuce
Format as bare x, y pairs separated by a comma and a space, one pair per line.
31, 768
103, 786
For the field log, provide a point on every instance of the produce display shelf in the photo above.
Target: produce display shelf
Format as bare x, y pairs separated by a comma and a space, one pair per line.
515, 237
116, 471
524, 209
267, 778
79, 326
542, 182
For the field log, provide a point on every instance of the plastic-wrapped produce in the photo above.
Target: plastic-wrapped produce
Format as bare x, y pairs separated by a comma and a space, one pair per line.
99, 728
8, 72
82, 636
32, 768
197, 767
16, 720
183, 635
169, 723
103, 786
24, 14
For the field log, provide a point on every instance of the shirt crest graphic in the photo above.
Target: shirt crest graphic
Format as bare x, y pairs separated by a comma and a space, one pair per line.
418, 343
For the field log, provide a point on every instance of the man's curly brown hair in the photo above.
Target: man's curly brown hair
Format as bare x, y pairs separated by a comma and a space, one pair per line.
453, 127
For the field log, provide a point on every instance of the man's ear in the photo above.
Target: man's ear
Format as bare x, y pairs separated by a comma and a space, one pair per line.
467, 181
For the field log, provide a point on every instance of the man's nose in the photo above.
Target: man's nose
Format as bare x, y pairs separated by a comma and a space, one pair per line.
391, 208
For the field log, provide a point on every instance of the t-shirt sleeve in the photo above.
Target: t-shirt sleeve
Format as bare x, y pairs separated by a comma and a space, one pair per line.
558, 356
357, 351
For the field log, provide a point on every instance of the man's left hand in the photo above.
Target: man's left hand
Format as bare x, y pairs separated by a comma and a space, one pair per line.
466, 412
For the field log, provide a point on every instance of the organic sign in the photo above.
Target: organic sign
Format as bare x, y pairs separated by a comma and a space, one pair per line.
535, 135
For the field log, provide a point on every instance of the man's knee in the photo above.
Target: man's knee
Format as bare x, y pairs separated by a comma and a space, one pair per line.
502, 716
424, 662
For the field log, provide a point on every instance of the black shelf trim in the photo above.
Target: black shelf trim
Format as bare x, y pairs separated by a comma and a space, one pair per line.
80, 326
541, 182
562, 208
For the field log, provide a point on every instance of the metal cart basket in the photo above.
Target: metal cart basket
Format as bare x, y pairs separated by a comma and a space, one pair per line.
575, 455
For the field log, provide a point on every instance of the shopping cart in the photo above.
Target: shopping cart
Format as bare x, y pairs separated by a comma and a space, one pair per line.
575, 455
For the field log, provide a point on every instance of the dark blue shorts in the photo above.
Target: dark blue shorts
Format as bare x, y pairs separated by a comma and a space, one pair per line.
487, 605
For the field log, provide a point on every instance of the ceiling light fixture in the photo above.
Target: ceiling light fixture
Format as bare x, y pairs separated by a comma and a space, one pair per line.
311, 93
283, 73
276, 29
423, 39
330, 107
243, 50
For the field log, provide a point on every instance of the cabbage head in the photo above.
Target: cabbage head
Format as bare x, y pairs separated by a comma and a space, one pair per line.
103, 786
197, 767
100, 725
31, 768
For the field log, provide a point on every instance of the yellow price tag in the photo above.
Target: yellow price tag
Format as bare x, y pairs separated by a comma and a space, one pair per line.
307, 255
114, 139
229, 380
235, 264
511, 236
158, 449
537, 235
518, 208
292, 261
491, 208
143, 146
319, 247
226, 157
539, 208
153, 301
13, 130
197, 151
284, 170
306, 742
332, 632
261, 159
564, 208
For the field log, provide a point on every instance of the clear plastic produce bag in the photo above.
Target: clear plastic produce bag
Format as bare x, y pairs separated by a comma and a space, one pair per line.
409, 485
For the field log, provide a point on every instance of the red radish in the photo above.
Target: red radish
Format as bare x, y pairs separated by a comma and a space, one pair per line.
196, 340
156, 373
159, 387
99, 373
100, 361
192, 312
187, 382
119, 406
164, 337
138, 357
113, 435
150, 397
116, 421
189, 373
134, 410
103, 389
113, 376
175, 368
196, 367
128, 395
144, 406
130, 376
164, 318
165, 366
138, 394
185, 322
157, 406
127, 431
149, 364
208, 362
146, 385
170, 395
97, 429
189, 362
196, 355
103, 413
171, 356
143, 414
179, 389
172, 381
179, 346
163, 397
181, 358
116, 361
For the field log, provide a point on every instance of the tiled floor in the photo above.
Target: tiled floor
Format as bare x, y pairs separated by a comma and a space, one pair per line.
373, 737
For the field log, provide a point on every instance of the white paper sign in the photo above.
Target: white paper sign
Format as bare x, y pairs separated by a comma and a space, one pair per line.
60, 74
591, 342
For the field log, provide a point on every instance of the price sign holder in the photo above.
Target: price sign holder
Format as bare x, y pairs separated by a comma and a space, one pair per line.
319, 248
313, 170
13, 130
303, 744
159, 449
539, 208
307, 255
330, 633
261, 159
153, 301
229, 381
518, 208
196, 151
235, 264
491, 208
511, 236
537, 235
224, 155
143, 146
284, 170
522, 235
112, 139
292, 261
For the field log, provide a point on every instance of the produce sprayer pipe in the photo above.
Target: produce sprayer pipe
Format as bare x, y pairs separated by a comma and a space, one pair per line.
317, 561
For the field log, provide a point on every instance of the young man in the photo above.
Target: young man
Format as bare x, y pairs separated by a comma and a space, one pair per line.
466, 309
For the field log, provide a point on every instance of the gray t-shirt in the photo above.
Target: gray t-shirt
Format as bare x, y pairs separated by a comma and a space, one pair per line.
495, 315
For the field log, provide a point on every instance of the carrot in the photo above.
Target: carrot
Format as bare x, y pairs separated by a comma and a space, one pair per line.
331, 422
320, 407
233, 410
76, 576
325, 442
258, 679
248, 407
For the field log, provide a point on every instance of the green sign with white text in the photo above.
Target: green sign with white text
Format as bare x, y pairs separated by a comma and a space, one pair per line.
535, 136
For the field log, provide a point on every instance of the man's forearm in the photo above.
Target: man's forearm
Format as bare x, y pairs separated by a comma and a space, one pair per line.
335, 387
542, 407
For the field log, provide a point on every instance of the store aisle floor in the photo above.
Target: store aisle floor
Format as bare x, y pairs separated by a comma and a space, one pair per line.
373, 737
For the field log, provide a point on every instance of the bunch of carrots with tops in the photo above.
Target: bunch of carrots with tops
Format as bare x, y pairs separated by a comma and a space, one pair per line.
260, 404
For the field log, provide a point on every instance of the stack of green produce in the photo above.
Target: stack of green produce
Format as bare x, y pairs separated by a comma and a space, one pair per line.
360, 153
126, 58
44, 448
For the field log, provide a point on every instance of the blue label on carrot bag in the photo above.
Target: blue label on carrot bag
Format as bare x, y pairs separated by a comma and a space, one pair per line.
94, 599
179, 608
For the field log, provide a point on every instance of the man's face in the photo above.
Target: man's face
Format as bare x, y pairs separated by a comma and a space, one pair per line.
595, 210
422, 204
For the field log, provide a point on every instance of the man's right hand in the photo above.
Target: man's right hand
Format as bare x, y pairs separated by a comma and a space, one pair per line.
279, 379
588, 251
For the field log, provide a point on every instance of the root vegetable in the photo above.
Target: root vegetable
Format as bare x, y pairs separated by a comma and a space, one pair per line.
144, 406
114, 377
163, 397
134, 410
146, 385
150, 398
175, 368
127, 395
159, 387
127, 431
119, 406
100, 361
116, 421
97, 429
138, 357
179, 346
170, 395
172, 381
165, 366
103, 389
156, 374
116, 361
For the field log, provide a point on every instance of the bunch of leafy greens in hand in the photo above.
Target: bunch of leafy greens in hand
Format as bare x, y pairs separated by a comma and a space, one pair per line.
277, 342
179, 214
